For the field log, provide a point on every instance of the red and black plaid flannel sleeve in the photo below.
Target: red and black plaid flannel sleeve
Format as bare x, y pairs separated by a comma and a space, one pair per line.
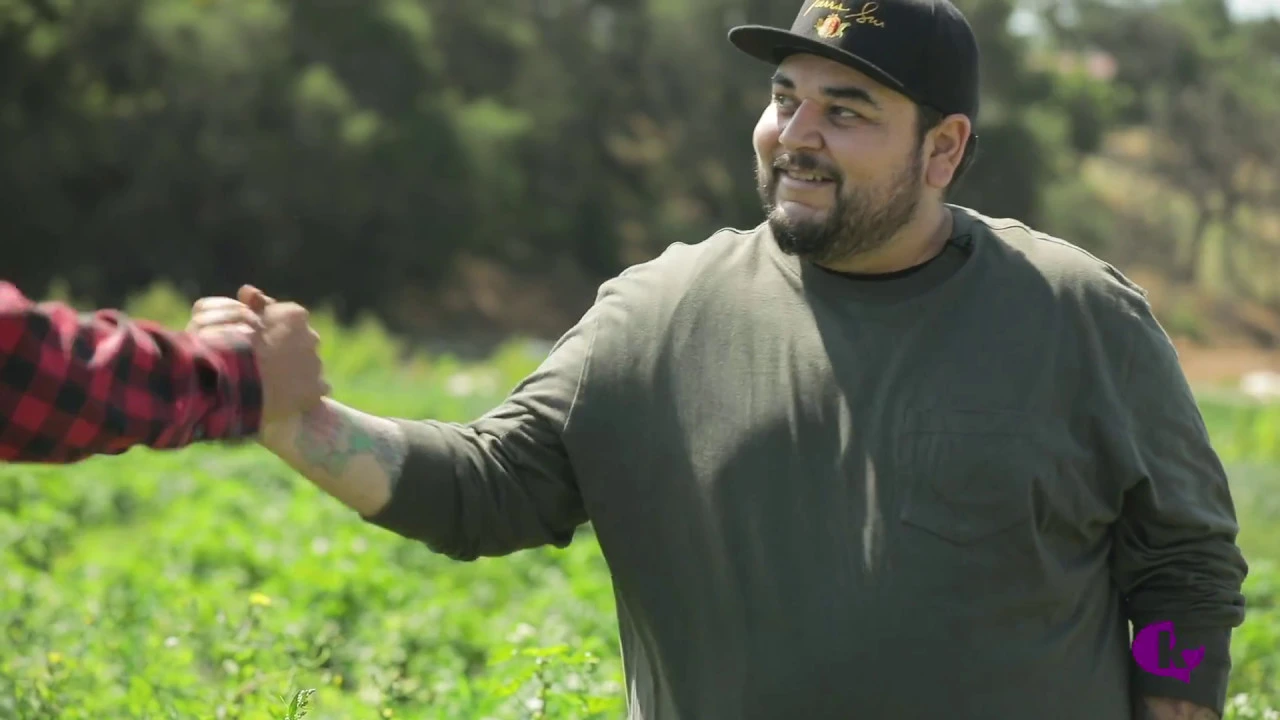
74, 385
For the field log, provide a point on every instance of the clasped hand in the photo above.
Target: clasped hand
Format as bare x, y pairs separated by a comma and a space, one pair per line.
284, 343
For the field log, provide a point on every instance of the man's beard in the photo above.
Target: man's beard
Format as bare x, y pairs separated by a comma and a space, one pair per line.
862, 219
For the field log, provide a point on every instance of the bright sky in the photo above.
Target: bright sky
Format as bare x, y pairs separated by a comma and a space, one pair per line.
1022, 22
1255, 8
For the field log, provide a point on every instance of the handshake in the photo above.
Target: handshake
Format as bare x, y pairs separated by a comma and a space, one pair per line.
284, 343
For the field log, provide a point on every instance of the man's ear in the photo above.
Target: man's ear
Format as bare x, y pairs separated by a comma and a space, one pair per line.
946, 146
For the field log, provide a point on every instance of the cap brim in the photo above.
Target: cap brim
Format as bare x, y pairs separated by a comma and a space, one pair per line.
773, 45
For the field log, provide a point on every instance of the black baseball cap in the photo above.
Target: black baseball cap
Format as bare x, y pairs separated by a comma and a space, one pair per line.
924, 49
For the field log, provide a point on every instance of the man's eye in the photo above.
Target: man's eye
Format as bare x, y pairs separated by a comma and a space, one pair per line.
782, 101
845, 113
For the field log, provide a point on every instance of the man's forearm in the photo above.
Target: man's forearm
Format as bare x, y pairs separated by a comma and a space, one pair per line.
354, 456
1155, 708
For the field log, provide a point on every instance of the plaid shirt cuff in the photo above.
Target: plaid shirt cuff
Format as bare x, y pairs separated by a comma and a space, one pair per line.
236, 386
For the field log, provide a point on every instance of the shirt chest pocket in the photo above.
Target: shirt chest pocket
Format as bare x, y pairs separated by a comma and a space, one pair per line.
969, 475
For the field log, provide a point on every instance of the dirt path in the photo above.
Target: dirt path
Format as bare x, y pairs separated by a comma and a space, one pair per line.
1224, 366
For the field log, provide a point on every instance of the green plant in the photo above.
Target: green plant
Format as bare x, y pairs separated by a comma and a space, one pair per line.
215, 583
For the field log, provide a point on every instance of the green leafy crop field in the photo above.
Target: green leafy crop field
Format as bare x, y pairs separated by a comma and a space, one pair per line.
214, 583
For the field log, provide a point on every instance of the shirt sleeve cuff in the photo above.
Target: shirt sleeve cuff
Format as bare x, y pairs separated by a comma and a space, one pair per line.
423, 501
236, 389
1208, 680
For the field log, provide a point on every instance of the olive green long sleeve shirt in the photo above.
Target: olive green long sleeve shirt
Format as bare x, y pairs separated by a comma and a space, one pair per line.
944, 494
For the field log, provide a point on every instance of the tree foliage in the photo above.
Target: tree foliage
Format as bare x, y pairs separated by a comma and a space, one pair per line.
344, 152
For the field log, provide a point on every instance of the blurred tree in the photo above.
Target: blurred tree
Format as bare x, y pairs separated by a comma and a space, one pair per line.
1208, 89
347, 152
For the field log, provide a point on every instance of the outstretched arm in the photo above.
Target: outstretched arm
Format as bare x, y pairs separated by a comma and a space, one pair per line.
490, 487
499, 484
75, 385
353, 456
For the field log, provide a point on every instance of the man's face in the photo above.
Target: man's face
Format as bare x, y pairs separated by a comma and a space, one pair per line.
838, 167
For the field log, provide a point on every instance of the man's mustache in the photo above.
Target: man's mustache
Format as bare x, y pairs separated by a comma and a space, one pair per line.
803, 162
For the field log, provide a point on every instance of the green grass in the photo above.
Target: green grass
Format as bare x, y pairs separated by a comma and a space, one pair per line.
214, 583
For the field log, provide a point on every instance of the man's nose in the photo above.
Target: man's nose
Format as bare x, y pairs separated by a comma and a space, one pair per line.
802, 129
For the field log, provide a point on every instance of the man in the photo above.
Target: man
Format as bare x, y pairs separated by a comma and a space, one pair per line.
878, 457
73, 386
